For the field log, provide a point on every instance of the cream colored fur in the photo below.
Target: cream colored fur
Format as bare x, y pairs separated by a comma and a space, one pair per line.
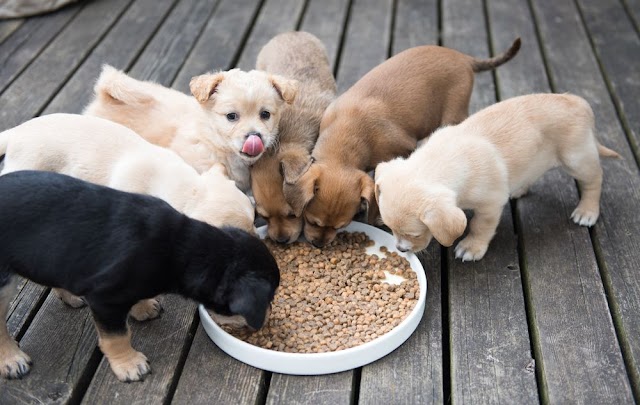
197, 128
495, 154
303, 57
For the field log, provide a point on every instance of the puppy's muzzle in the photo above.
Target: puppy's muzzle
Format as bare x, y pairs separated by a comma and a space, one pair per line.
402, 248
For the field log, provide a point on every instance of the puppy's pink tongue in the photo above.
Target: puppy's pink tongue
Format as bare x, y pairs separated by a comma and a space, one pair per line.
253, 146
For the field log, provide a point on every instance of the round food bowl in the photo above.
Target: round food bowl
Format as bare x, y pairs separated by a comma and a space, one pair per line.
327, 362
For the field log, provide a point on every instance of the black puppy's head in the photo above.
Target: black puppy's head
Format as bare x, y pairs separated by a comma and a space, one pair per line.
244, 295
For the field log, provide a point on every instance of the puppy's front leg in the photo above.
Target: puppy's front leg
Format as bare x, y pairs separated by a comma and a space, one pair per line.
114, 339
482, 227
14, 363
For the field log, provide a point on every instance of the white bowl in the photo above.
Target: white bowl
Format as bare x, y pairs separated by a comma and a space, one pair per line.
328, 362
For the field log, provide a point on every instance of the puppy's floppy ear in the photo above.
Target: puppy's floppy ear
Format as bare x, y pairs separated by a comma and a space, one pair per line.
445, 220
292, 166
250, 299
114, 86
203, 86
368, 206
286, 88
299, 194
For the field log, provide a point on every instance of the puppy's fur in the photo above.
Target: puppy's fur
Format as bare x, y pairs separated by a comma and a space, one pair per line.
303, 57
197, 129
495, 154
381, 117
115, 248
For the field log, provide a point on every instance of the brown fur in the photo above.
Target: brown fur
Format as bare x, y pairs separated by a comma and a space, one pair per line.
303, 57
381, 117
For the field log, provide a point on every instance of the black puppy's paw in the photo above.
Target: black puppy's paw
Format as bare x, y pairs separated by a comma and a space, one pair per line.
72, 300
146, 309
14, 363
133, 367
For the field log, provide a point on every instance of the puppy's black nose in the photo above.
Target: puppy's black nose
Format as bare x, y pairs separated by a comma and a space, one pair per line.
317, 243
402, 248
282, 239
253, 133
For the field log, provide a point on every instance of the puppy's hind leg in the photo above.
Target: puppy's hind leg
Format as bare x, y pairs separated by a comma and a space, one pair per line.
585, 168
72, 300
14, 363
146, 309
114, 339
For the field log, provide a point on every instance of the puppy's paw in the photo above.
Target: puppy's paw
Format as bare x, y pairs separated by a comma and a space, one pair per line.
585, 217
519, 193
132, 368
470, 249
72, 300
146, 309
14, 363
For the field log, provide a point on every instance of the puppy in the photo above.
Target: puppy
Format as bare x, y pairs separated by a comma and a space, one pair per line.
103, 152
114, 249
381, 117
303, 57
232, 120
495, 154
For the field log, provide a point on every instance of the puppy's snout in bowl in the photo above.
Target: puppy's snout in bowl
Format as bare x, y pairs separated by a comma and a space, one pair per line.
253, 144
402, 248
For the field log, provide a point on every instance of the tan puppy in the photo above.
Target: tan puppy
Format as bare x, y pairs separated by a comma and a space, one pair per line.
303, 57
238, 122
106, 153
381, 117
495, 154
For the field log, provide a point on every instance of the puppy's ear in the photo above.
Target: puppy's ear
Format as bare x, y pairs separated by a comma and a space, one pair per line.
286, 88
292, 166
299, 194
368, 205
445, 220
203, 86
250, 299
115, 87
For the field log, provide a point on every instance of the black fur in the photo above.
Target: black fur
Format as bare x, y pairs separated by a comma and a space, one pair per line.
115, 248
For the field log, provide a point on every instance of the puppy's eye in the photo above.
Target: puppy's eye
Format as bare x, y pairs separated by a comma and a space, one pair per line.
232, 117
291, 216
265, 115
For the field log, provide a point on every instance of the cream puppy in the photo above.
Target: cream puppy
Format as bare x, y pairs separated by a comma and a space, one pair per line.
303, 57
495, 154
106, 153
232, 121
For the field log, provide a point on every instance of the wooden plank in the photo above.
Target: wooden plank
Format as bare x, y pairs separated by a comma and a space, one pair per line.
60, 356
219, 43
413, 374
210, 376
24, 306
491, 358
580, 359
326, 20
169, 47
162, 340
119, 48
28, 40
32, 90
617, 46
276, 16
633, 10
8, 27
416, 24
366, 42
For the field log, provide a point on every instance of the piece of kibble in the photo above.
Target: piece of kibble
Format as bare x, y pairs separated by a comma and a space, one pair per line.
333, 299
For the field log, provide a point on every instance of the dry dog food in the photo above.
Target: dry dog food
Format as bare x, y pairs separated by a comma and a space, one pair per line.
334, 298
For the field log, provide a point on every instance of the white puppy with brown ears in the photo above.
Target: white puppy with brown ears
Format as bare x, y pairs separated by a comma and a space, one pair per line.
232, 120
495, 154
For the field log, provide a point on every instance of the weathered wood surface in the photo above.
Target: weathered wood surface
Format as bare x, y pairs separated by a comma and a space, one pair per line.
550, 315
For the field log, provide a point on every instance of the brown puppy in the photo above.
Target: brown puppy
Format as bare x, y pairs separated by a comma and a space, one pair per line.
303, 57
379, 118
495, 154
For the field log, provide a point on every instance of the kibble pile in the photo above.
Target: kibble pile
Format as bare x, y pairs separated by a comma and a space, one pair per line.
333, 299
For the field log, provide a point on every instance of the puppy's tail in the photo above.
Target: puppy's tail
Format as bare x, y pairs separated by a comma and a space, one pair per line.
480, 65
116, 87
603, 151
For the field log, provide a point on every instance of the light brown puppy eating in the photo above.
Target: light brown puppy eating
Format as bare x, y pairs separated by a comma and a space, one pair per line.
495, 154
379, 118
303, 57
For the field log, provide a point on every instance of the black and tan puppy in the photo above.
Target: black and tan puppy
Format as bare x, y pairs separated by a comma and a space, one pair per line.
113, 249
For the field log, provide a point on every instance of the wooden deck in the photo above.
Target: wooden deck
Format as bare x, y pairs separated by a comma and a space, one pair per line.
551, 315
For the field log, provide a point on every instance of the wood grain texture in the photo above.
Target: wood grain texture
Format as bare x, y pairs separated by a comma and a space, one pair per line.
24, 306
118, 48
220, 41
332, 389
366, 42
8, 27
28, 40
413, 374
31, 91
163, 342
211, 376
275, 16
326, 20
574, 68
416, 24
